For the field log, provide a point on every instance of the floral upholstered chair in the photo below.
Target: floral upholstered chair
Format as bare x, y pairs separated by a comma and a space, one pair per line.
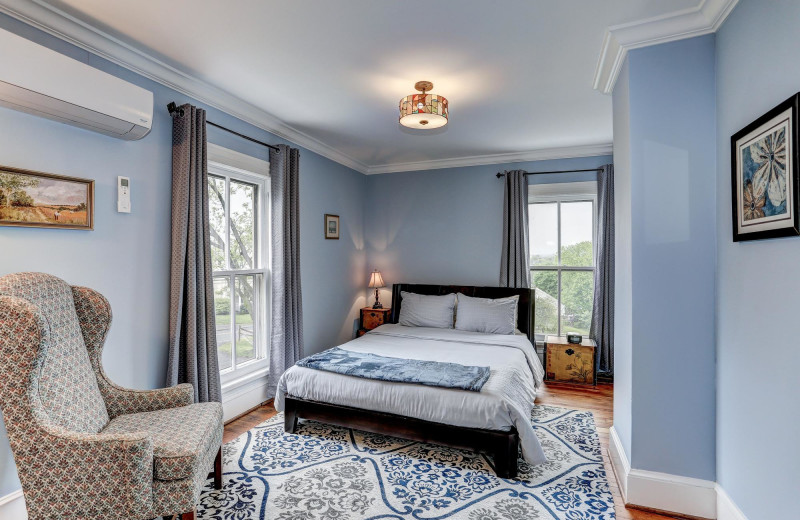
85, 447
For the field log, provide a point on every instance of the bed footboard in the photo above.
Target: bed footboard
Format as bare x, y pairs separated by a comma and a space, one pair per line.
503, 446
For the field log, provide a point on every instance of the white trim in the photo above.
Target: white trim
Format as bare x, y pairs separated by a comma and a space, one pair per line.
726, 507
687, 23
12, 506
662, 491
52, 20
500, 158
672, 493
619, 462
562, 191
225, 157
244, 394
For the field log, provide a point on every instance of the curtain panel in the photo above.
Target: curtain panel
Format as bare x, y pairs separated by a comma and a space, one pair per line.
515, 259
602, 330
286, 342
192, 328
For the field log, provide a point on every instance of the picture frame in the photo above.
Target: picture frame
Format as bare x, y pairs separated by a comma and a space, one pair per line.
765, 175
331, 227
44, 200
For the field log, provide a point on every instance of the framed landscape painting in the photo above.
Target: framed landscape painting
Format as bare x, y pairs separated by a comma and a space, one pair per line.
34, 199
764, 164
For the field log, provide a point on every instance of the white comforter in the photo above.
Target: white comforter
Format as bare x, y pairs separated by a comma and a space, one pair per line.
505, 400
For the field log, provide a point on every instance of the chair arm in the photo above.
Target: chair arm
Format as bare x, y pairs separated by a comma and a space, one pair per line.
88, 475
123, 401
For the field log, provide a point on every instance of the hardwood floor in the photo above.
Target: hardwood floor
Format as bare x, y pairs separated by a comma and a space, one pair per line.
599, 401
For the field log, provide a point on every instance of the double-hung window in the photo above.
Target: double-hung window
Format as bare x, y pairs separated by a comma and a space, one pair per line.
239, 220
562, 219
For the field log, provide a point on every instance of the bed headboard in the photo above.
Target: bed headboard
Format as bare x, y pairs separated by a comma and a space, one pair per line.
526, 304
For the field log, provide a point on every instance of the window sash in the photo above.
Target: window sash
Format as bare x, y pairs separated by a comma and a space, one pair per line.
259, 271
559, 269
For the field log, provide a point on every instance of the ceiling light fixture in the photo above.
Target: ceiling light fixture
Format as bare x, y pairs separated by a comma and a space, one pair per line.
423, 111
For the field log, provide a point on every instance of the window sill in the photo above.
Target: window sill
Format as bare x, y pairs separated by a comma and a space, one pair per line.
237, 382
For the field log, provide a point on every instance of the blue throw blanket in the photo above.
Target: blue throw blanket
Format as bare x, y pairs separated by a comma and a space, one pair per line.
372, 366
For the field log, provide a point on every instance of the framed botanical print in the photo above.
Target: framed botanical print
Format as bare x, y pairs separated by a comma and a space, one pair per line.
34, 199
765, 180
332, 226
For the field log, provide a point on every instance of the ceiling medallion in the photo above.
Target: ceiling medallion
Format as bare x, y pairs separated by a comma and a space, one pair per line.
423, 111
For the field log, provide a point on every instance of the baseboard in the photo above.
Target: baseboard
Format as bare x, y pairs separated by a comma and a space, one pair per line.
12, 506
619, 461
685, 496
727, 508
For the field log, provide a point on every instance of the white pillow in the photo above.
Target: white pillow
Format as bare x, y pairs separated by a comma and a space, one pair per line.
420, 310
493, 316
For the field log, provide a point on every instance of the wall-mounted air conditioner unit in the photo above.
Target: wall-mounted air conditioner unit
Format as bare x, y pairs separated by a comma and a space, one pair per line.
40, 81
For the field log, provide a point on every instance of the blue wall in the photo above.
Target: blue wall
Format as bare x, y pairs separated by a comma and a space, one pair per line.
758, 415
445, 226
672, 185
623, 258
126, 257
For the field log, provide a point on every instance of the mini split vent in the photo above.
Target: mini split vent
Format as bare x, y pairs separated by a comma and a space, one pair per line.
42, 82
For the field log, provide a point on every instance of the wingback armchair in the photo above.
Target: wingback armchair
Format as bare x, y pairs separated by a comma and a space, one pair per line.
85, 447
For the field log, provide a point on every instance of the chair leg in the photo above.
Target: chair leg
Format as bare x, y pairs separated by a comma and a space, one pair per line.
218, 470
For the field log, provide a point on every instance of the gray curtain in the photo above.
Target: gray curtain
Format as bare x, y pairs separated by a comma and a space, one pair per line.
515, 262
286, 343
602, 330
193, 344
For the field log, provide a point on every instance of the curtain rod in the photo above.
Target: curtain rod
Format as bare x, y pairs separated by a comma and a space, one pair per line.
173, 109
500, 174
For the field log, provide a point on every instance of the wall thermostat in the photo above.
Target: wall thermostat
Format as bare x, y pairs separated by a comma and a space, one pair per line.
123, 195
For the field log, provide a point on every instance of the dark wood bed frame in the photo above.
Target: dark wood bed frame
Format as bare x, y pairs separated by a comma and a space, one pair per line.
503, 446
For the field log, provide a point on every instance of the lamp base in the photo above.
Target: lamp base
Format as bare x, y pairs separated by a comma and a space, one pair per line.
377, 305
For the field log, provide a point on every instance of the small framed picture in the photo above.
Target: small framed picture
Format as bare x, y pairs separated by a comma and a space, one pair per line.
764, 175
35, 199
332, 226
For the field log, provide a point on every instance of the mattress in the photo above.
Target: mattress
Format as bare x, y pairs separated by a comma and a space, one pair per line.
505, 400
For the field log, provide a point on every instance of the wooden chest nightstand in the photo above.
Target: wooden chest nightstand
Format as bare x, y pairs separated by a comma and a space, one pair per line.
371, 318
570, 363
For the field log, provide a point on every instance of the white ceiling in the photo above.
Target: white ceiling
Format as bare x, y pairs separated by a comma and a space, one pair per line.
518, 73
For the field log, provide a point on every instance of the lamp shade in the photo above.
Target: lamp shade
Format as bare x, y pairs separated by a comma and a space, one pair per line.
423, 111
376, 280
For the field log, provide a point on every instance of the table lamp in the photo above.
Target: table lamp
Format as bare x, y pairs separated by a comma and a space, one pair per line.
376, 281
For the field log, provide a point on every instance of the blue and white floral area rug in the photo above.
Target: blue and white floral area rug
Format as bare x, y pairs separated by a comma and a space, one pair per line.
330, 473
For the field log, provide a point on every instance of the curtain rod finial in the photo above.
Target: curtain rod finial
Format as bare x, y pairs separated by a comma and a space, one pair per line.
173, 109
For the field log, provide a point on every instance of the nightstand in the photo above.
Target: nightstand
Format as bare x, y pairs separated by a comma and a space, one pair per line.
371, 318
568, 362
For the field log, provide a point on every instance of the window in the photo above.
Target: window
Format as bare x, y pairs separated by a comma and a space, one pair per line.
562, 220
238, 215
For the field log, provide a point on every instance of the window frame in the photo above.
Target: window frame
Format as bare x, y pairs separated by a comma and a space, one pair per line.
558, 194
221, 165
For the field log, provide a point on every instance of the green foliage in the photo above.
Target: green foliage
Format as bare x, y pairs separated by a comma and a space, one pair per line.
12, 182
21, 199
577, 291
222, 305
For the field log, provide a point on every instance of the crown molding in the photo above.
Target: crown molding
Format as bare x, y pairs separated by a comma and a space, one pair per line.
500, 158
619, 39
68, 28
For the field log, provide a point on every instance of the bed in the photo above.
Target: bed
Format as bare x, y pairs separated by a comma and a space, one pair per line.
495, 420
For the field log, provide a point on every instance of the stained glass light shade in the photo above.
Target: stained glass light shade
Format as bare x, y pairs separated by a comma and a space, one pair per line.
423, 111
